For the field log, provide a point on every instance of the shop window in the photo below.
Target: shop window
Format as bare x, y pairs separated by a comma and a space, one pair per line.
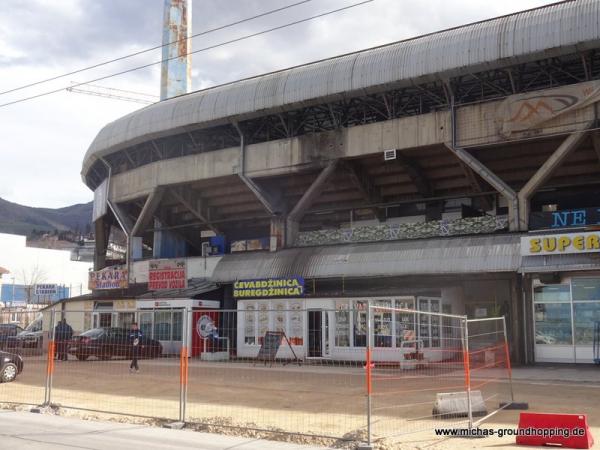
162, 325
263, 320
552, 293
382, 323
126, 319
146, 324
296, 331
586, 289
279, 315
177, 325
405, 323
342, 323
360, 323
250, 324
585, 315
553, 324
429, 325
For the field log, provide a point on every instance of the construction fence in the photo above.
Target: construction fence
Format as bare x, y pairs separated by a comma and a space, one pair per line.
362, 374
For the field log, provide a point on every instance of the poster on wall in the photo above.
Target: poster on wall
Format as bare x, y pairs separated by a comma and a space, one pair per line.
167, 274
109, 278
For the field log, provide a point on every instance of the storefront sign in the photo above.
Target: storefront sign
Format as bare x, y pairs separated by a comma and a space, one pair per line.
270, 287
45, 289
565, 219
556, 244
109, 278
167, 274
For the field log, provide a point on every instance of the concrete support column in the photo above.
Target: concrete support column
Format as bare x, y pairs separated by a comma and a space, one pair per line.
545, 172
277, 232
102, 232
295, 216
496, 182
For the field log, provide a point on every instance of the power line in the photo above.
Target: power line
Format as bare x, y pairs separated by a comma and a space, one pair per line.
211, 47
141, 52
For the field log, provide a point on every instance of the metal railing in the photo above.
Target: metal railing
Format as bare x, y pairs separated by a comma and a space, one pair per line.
364, 374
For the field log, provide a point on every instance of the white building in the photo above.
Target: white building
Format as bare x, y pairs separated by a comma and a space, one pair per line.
30, 265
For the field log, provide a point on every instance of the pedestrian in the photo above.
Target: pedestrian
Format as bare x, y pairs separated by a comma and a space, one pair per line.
135, 337
62, 335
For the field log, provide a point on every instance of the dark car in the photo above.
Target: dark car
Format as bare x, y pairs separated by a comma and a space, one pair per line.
30, 338
104, 343
7, 332
11, 365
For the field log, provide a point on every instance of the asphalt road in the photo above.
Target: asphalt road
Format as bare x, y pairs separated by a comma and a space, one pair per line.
28, 431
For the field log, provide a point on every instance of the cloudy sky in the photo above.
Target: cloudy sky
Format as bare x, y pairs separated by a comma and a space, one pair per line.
42, 141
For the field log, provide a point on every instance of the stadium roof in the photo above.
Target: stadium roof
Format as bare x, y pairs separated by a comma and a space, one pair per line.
550, 31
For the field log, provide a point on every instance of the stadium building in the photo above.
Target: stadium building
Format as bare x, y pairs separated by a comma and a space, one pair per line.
456, 172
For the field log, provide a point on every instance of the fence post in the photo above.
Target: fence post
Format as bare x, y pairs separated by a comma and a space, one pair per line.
183, 367
467, 364
508, 365
50, 363
369, 346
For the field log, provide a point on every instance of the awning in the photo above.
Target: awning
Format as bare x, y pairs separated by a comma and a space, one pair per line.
464, 255
560, 263
196, 286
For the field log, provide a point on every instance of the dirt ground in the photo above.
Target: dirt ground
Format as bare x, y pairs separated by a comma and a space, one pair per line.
318, 399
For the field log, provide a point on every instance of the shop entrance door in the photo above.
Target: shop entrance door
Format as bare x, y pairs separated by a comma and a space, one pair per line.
102, 319
315, 333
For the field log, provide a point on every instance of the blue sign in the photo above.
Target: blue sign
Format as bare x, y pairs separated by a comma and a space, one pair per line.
269, 287
570, 218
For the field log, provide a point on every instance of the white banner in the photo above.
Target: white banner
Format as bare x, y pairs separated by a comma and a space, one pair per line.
45, 289
523, 112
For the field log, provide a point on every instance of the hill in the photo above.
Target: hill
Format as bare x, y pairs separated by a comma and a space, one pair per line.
19, 219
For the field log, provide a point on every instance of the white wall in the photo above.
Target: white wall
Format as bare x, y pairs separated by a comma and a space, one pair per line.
54, 265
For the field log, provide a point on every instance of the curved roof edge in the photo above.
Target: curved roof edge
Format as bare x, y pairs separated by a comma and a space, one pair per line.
551, 30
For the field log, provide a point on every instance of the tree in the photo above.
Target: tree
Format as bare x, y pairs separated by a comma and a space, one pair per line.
32, 276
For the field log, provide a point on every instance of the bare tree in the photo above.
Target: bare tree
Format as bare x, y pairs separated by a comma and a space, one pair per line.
31, 276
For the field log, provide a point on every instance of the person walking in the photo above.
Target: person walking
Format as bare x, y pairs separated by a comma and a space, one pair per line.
62, 335
135, 337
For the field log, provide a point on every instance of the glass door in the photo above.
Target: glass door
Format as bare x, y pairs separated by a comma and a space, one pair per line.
553, 323
586, 313
315, 333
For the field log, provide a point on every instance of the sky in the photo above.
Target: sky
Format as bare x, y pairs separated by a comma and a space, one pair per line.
42, 141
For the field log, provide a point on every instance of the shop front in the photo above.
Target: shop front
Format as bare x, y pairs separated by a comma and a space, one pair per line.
564, 275
163, 320
336, 328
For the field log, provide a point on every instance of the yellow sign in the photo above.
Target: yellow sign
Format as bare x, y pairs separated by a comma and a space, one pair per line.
556, 244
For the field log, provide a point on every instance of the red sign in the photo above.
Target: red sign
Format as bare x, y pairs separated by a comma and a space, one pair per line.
167, 274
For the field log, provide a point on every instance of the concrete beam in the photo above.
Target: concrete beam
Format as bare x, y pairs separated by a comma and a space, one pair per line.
476, 185
363, 182
305, 202
415, 173
546, 171
148, 210
493, 180
194, 206
101, 234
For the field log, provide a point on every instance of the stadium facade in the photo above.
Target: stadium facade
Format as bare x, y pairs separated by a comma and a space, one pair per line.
456, 172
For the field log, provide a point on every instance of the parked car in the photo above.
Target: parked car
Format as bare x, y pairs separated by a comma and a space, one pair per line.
104, 343
8, 331
11, 365
30, 337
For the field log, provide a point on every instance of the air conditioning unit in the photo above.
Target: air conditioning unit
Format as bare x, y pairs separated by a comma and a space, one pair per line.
389, 155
